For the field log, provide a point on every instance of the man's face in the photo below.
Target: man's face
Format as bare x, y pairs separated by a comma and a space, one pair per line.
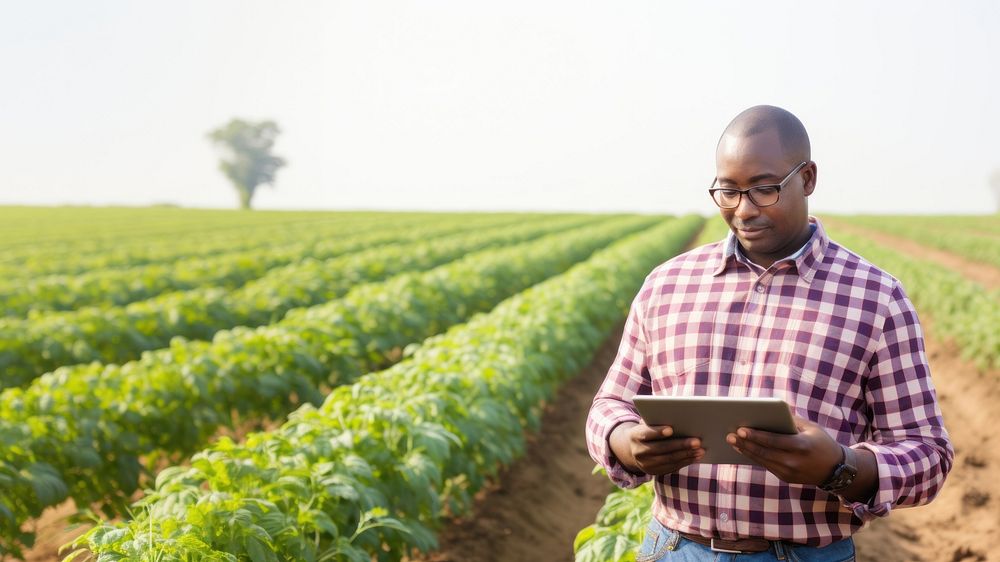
767, 234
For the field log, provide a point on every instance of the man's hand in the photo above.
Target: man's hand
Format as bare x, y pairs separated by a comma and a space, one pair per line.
653, 449
807, 457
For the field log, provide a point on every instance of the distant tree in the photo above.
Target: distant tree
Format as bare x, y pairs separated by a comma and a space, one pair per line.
995, 184
248, 161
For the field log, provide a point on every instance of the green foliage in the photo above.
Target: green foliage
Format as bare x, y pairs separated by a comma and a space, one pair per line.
413, 442
715, 230
248, 147
618, 531
44, 342
39, 242
93, 423
116, 287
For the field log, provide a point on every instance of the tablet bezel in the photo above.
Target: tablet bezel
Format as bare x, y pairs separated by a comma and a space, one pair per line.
711, 418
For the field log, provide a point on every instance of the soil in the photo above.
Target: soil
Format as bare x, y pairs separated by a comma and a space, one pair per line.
982, 273
53, 530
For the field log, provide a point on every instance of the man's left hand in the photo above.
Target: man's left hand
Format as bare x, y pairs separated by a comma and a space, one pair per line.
808, 457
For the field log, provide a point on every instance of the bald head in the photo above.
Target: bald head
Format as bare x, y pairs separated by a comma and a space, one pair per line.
763, 118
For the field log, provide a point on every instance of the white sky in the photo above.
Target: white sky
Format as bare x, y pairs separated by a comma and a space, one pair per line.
501, 105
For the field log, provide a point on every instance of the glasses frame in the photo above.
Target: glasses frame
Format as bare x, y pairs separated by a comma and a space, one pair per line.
748, 191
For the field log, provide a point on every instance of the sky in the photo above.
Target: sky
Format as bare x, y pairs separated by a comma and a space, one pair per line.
458, 105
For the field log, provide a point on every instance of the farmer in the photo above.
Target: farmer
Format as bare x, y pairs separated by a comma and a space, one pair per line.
776, 309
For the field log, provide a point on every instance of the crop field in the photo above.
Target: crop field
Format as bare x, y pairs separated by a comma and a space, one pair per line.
215, 385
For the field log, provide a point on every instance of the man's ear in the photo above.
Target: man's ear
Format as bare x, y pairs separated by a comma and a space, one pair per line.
809, 178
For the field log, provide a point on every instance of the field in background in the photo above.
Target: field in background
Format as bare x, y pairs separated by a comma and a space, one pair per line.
157, 348
293, 385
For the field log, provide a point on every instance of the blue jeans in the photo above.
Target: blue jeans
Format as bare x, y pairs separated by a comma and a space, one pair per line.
665, 545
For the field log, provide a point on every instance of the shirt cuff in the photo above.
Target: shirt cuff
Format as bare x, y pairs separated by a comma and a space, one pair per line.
881, 502
619, 475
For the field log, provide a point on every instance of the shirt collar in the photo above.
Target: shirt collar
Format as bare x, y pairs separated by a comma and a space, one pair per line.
805, 260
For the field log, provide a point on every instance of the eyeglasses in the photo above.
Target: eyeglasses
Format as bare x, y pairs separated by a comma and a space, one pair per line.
760, 195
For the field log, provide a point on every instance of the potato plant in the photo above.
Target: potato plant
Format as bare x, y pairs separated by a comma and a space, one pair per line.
371, 472
92, 424
44, 342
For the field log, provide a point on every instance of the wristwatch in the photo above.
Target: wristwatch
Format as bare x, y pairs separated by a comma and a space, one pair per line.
843, 474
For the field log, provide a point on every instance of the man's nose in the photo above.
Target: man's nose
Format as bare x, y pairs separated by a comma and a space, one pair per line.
746, 208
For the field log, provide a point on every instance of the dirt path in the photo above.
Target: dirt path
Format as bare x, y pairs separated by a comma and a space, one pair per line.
984, 274
53, 530
540, 502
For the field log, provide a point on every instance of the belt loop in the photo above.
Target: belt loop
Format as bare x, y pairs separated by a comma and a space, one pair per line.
779, 550
674, 538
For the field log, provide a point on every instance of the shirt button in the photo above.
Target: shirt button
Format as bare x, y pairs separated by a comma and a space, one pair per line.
723, 517
760, 288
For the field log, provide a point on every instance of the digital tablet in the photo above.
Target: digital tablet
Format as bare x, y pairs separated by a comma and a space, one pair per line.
711, 418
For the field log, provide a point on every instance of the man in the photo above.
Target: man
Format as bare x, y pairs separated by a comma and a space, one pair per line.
776, 309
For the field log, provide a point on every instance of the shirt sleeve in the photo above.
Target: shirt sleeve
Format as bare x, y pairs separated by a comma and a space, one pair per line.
613, 405
908, 438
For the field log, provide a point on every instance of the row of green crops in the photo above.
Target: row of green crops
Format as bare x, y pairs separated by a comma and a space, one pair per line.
36, 227
80, 249
92, 424
116, 287
43, 342
970, 237
371, 472
179, 239
715, 230
960, 309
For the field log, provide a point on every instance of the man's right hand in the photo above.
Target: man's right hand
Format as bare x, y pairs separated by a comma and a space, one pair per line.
653, 449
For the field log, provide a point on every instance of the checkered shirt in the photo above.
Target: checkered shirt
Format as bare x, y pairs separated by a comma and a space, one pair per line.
828, 332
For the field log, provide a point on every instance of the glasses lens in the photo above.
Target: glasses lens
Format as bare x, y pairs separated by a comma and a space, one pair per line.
764, 195
726, 198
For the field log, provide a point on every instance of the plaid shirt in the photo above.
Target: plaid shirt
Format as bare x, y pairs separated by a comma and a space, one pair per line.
826, 331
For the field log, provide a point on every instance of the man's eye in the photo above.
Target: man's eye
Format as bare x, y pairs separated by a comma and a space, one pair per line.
766, 190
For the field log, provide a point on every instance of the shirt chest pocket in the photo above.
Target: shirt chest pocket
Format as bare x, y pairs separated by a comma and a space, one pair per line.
683, 345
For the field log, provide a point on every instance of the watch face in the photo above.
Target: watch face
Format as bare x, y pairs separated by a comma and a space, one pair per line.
842, 477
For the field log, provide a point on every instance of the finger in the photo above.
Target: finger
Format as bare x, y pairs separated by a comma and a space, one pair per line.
748, 448
654, 432
769, 440
762, 461
667, 446
670, 462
